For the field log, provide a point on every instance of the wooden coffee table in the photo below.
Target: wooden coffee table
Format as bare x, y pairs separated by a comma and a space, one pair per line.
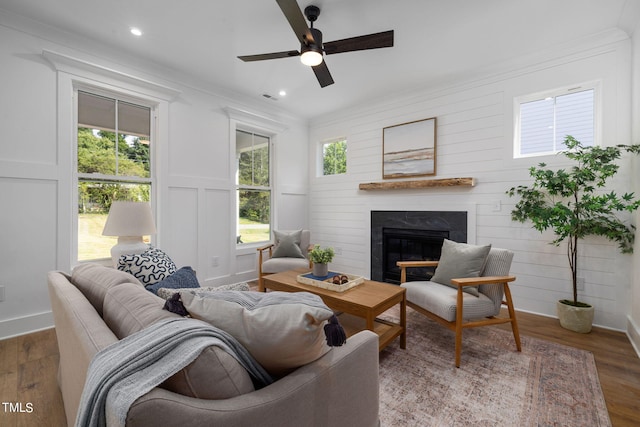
358, 306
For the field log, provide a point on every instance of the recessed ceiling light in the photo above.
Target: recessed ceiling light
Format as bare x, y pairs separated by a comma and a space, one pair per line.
136, 31
282, 93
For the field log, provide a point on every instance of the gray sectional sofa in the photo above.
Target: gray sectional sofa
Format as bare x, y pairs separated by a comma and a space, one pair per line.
96, 306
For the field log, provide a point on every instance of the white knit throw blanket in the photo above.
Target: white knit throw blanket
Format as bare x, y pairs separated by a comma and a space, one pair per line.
131, 367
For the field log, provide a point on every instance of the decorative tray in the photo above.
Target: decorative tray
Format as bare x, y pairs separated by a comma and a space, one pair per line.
326, 282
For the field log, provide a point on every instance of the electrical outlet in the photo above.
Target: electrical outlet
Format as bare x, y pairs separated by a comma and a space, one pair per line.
215, 261
337, 251
1, 293
497, 205
580, 284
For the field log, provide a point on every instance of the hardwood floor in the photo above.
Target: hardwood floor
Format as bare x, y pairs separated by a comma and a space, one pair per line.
29, 391
28, 369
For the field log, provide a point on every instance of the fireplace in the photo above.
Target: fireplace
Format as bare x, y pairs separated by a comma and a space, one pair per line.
411, 236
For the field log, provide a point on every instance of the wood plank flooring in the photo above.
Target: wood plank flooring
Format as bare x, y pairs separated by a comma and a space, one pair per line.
28, 369
29, 391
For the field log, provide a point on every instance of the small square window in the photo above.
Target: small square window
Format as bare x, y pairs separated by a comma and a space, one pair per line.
334, 157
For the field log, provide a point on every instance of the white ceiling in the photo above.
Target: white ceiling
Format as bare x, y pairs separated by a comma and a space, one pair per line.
435, 40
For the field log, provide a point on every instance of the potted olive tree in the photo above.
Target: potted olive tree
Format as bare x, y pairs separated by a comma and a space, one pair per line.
573, 205
321, 259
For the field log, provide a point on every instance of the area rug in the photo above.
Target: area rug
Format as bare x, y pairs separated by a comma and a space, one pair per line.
547, 384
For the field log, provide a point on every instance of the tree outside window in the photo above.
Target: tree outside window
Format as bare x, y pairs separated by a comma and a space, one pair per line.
334, 157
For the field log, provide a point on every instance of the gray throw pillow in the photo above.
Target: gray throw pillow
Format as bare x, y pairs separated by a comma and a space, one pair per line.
460, 260
287, 244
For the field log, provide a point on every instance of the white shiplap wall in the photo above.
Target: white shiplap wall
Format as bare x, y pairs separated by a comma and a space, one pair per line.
474, 139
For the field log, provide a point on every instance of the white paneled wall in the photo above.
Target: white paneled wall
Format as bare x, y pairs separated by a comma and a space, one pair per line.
474, 139
195, 186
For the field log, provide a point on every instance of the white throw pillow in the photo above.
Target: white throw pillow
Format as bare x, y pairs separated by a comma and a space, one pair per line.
281, 330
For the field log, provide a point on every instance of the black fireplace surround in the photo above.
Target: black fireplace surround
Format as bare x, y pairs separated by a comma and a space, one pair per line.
411, 236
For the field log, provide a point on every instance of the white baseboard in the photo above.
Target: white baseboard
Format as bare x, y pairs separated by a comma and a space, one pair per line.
25, 325
633, 332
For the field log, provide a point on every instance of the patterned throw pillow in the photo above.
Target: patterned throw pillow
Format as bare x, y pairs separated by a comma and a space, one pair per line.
149, 267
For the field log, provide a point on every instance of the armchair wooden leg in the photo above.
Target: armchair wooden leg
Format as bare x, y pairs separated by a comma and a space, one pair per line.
512, 316
459, 318
261, 284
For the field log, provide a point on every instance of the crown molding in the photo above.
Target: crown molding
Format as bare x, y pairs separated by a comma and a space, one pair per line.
72, 65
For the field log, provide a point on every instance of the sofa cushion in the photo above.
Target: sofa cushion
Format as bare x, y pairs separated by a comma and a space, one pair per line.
185, 277
149, 267
94, 280
460, 260
213, 375
281, 330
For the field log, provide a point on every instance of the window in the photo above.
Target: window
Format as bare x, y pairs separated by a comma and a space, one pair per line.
334, 157
113, 163
544, 120
253, 186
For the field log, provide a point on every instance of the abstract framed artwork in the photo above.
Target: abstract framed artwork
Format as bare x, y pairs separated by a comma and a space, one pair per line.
409, 149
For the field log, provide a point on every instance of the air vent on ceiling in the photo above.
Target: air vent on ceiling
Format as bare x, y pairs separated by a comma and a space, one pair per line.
271, 97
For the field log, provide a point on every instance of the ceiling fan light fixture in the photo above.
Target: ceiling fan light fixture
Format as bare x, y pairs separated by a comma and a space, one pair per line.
311, 56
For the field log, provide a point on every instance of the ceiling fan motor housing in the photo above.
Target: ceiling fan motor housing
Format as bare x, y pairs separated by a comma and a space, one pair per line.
317, 39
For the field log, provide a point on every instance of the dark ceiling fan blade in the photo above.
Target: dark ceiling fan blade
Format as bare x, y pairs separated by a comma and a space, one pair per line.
265, 56
322, 74
369, 41
297, 20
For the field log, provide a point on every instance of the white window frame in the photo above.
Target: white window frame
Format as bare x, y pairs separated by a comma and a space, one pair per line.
320, 151
270, 188
241, 119
518, 101
73, 72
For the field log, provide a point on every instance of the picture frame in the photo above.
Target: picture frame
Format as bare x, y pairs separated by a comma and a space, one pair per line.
409, 149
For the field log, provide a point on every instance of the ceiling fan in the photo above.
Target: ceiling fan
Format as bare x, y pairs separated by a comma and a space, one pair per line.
311, 46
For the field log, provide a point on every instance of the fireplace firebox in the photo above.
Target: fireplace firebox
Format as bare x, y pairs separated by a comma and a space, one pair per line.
411, 236
410, 245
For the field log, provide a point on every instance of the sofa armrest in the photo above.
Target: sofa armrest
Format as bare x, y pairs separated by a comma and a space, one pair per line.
80, 333
338, 389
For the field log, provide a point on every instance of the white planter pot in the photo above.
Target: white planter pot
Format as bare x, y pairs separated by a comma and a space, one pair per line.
320, 270
577, 319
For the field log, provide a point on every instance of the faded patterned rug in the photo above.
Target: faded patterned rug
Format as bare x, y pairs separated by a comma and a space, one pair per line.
547, 384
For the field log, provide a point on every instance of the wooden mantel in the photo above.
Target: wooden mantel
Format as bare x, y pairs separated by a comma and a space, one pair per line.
422, 183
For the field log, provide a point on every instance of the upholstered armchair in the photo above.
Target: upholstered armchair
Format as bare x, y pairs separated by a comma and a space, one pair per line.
289, 250
466, 290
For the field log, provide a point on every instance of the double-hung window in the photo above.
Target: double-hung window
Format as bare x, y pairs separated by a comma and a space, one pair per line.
114, 145
253, 187
544, 120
